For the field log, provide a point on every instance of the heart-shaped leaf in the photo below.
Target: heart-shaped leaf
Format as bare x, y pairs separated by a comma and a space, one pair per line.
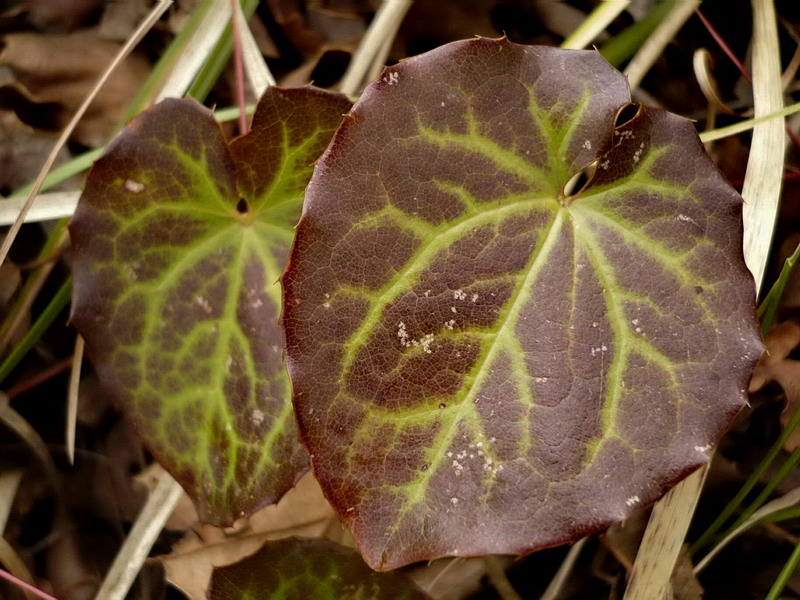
484, 361
178, 241
314, 569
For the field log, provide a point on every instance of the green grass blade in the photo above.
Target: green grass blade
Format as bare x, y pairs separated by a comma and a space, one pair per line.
625, 44
769, 306
54, 308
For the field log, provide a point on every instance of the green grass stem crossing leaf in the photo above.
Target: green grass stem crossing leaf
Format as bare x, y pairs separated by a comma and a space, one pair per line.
315, 569
179, 240
485, 357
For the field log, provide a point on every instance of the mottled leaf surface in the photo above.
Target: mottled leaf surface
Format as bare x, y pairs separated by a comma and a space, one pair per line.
294, 569
179, 239
484, 361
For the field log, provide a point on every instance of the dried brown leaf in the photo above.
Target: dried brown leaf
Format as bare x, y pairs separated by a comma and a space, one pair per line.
65, 68
303, 512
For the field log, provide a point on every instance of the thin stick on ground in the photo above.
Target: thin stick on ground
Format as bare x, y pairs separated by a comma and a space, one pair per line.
144, 27
26, 586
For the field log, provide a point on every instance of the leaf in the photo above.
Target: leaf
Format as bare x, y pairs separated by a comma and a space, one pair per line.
178, 240
302, 511
297, 568
483, 362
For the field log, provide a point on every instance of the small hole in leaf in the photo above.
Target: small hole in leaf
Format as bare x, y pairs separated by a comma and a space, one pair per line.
698, 289
242, 206
580, 180
626, 114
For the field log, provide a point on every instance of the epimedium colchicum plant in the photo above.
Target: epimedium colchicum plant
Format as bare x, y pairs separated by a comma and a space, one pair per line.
484, 358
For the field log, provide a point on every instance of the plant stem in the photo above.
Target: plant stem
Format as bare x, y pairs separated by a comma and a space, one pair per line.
26, 586
239, 67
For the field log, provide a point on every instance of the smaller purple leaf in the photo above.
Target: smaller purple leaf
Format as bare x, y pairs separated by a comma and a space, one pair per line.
312, 569
179, 239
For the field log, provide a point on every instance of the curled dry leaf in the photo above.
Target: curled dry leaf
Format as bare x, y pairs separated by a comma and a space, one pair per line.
484, 359
776, 365
179, 239
65, 68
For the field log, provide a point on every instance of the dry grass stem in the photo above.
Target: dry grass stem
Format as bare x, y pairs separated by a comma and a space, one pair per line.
72, 397
384, 25
160, 504
258, 73
654, 46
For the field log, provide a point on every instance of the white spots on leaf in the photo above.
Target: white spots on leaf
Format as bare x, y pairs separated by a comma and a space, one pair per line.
703, 449
450, 324
403, 334
595, 324
453, 309
257, 416
427, 293
604, 165
229, 362
442, 104
587, 144
540, 379
458, 467
424, 342
475, 297
638, 153
203, 303
134, 187
454, 500
392, 78
632, 500
599, 350
460, 295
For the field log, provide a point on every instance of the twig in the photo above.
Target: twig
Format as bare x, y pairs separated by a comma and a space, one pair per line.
725, 48
144, 27
39, 378
26, 586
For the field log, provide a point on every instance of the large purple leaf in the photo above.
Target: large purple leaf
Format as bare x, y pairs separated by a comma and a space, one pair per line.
314, 569
179, 239
483, 360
